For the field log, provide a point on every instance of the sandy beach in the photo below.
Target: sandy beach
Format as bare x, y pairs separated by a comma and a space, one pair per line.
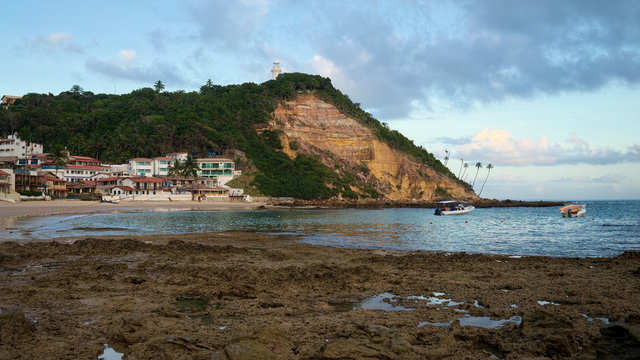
64, 207
239, 295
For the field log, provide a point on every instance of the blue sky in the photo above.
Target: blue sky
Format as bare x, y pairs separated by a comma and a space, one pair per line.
548, 92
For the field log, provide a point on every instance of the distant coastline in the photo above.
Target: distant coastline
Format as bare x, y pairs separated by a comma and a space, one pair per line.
381, 204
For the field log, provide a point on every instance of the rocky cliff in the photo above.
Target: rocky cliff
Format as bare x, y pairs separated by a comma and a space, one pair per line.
310, 125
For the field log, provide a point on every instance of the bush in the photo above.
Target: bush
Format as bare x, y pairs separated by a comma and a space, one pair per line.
30, 193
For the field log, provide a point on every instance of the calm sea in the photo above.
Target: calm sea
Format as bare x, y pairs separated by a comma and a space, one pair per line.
608, 229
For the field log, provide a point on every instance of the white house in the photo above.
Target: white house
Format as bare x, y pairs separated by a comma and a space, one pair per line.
161, 165
219, 168
15, 147
182, 156
8, 186
141, 167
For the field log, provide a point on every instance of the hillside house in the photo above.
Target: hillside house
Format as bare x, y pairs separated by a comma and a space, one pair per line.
8, 100
141, 167
223, 170
145, 185
182, 156
13, 146
81, 189
51, 185
161, 165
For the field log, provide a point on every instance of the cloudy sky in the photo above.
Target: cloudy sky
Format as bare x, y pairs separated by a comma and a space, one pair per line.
548, 92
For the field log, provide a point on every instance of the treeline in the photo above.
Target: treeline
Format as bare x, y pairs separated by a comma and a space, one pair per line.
149, 123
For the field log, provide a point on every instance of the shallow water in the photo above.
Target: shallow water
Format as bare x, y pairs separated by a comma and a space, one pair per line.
608, 229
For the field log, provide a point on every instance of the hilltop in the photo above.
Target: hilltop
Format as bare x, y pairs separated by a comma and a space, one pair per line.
296, 136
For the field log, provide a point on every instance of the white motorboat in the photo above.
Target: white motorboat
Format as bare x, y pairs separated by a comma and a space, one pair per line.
573, 210
449, 207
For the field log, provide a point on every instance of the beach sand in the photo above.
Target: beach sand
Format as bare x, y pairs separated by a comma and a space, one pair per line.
68, 207
239, 295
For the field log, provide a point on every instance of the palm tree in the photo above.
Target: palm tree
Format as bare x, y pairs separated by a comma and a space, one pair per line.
159, 86
446, 157
58, 159
190, 168
460, 172
489, 167
478, 166
465, 172
176, 168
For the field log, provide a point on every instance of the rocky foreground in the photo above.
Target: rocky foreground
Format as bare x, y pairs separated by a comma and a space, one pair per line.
258, 296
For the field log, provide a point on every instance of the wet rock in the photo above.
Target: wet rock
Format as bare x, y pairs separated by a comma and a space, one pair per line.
174, 347
550, 332
620, 340
279, 343
248, 350
14, 327
370, 342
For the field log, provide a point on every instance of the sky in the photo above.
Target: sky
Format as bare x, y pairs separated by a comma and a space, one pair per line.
546, 91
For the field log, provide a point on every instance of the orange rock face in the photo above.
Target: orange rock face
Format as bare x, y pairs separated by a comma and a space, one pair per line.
316, 126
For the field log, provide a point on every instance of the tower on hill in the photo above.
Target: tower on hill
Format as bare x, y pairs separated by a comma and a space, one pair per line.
276, 70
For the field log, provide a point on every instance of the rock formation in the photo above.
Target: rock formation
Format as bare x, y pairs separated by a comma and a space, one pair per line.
311, 125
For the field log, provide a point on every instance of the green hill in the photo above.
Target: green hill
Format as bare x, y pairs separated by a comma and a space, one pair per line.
147, 123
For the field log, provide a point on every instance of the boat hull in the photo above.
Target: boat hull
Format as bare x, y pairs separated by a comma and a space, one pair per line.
573, 211
466, 210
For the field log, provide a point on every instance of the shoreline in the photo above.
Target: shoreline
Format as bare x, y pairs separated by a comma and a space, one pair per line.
233, 294
64, 207
72, 207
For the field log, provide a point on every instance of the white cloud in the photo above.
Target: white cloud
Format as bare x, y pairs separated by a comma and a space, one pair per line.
125, 66
233, 24
610, 178
127, 57
500, 147
54, 42
473, 52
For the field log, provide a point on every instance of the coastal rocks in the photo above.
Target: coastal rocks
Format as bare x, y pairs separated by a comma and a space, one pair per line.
371, 342
14, 328
549, 333
255, 294
248, 350
620, 340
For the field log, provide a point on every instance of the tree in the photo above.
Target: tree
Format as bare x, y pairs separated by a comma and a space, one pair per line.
190, 168
446, 157
58, 159
159, 86
176, 168
460, 172
478, 166
76, 89
465, 172
489, 167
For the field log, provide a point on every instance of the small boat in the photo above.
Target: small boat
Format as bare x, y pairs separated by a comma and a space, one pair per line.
573, 210
449, 207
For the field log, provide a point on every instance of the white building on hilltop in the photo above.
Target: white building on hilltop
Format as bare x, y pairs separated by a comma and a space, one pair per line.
276, 70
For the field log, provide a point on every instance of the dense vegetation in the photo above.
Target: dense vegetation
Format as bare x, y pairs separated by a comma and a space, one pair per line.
148, 123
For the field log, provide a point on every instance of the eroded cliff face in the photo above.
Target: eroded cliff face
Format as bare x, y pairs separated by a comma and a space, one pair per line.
312, 125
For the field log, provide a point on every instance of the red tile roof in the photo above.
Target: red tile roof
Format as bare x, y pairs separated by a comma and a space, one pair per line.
85, 158
4, 173
108, 179
148, 179
86, 167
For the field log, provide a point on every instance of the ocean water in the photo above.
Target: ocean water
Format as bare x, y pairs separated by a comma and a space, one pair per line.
608, 229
